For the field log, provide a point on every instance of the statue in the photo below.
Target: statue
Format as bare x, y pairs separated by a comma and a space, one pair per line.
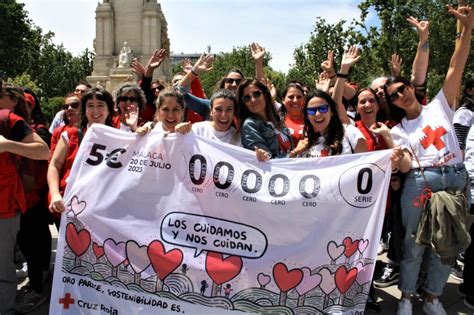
125, 56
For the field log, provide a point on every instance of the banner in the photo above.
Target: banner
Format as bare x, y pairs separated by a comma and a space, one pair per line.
179, 224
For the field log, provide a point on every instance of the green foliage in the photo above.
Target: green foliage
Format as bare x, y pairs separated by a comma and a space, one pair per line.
25, 80
51, 106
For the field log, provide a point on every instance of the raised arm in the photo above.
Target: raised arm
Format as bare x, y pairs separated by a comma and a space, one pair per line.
349, 58
461, 53
258, 52
154, 62
203, 64
420, 63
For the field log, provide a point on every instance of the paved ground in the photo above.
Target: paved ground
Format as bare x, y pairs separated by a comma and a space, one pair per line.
388, 297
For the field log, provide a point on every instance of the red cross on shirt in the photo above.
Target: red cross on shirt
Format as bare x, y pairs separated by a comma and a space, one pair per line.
433, 137
66, 301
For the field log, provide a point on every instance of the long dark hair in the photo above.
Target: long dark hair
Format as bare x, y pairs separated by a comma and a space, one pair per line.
36, 116
295, 85
16, 92
222, 81
396, 113
101, 95
270, 110
335, 131
381, 117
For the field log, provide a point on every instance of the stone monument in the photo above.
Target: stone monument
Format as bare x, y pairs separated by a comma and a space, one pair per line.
127, 29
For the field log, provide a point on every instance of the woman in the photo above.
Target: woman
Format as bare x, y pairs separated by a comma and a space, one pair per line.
426, 132
292, 110
223, 109
325, 132
169, 113
71, 117
130, 101
16, 139
262, 129
97, 107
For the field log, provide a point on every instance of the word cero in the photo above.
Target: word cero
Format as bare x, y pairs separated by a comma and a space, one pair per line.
308, 186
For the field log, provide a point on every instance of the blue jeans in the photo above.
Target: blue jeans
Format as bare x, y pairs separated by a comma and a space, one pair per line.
439, 178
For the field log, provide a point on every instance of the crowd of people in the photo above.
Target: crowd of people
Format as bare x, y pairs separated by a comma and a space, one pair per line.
432, 143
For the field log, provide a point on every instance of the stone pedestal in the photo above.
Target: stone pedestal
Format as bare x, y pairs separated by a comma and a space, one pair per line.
142, 25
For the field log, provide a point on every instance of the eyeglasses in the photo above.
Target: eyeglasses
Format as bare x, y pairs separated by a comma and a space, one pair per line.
247, 98
74, 105
231, 81
323, 109
159, 89
395, 95
126, 99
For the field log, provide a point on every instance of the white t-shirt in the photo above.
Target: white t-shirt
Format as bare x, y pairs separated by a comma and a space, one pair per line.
205, 129
431, 135
465, 117
349, 143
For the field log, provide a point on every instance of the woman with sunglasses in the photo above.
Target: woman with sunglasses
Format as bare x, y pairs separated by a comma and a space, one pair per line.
262, 128
71, 117
130, 101
97, 107
16, 139
326, 134
428, 137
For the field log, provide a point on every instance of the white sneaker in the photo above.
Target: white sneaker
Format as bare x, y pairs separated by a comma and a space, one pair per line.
434, 308
405, 307
383, 247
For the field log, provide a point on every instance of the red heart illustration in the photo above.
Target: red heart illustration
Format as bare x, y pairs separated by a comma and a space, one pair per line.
163, 262
78, 242
222, 269
284, 279
345, 279
350, 246
98, 250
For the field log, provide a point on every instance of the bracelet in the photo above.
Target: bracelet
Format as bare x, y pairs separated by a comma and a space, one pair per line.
342, 75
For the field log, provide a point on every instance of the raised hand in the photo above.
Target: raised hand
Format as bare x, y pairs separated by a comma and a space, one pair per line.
131, 116
183, 128
258, 52
186, 65
156, 59
137, 68
349, 58
271, 87
463, 14
421, 26
262, 155
328, 64
203, 64
323, 83
396, 65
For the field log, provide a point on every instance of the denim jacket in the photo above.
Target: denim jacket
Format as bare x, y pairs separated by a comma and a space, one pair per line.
261, 134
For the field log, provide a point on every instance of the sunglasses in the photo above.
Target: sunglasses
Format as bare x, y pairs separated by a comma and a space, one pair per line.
396, 94
231, 81
159, 88
126, 99
74, 105
323, 109
247, 98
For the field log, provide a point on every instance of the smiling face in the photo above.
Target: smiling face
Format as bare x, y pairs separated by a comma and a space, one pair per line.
128, 103
96, 111
170, 113
377, 86
232, 81
254, 100
294, 102
319, 121
402, 96
222, 114
367, 106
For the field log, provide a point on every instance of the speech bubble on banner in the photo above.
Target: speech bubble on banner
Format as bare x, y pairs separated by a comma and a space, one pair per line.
213, 234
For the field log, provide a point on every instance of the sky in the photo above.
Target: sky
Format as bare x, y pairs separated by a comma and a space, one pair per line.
278, 25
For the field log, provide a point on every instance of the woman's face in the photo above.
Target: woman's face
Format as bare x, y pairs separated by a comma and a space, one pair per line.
222, 114
294, 102
7, 101
401, 95
170, 113
96, 111
254, 100
128, 102
367, 106
232, 81
72, 107
319, 114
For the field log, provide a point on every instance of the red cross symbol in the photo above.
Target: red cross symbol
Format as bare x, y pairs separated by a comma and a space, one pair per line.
66, 301
433, 137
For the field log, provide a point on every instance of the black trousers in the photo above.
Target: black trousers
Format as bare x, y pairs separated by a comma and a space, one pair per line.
468, 273
34, 240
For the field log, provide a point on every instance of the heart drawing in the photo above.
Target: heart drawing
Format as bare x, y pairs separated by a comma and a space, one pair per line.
351, 246
163, 262
309, 281
222, 269
345, 279
115, 252
78, 242
263, 279
98, 250
76, 206
137, 256
286, 279
334, 250
327, 284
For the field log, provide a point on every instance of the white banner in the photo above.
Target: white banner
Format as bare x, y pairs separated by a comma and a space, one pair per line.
180, 224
